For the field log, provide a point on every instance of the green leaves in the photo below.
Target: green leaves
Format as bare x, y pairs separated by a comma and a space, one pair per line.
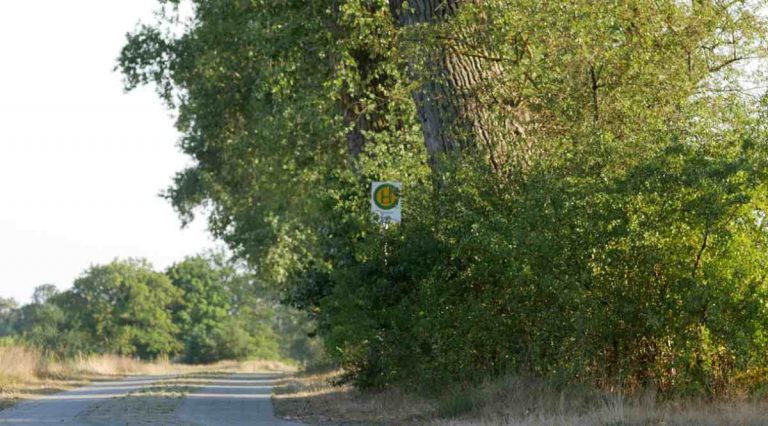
222, 312
124, 306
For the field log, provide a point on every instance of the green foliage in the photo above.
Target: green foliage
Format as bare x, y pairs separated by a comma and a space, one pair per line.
220, 313
655, 277
124, 306
8, 315
8, 341
48, 324
44, 293
202, 307
50, 328
625, 244
241, 339
205, 308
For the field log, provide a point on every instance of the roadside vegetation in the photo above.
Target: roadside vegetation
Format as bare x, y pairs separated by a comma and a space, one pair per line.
26, 373
585, 194
584, 183
585, 208
317, 398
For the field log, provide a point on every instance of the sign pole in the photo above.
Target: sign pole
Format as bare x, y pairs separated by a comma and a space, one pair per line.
386, 244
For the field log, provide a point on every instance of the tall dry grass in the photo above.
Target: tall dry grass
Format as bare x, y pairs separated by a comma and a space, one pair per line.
250, 366
18, 364
626, 412
115, 365
515, 401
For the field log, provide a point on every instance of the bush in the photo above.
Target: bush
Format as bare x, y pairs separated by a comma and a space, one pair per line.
651, 275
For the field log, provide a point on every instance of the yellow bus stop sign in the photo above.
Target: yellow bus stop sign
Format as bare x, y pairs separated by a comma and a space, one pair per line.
386, 197
385, 201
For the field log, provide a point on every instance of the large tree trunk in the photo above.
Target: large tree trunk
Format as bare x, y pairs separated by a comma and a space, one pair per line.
458, 101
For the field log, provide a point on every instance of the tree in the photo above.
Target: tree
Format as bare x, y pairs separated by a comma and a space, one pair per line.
508, 77
201, 310
43, 293
8, 315
456, 74
223, 313
310, 91
124, 306
54, 327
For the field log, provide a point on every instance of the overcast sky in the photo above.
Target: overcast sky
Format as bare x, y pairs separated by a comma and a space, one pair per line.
81, 163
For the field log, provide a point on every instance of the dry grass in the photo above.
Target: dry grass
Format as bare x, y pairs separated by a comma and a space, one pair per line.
312, 398
620, 412
22, 365
113, 365
253, 366
18, 364
24, 374
530, 402
512, 402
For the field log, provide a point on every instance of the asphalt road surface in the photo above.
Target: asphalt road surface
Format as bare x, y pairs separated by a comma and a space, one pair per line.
231, 400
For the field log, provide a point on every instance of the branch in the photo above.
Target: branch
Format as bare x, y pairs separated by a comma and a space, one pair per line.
700, 253
595, 86
730, 62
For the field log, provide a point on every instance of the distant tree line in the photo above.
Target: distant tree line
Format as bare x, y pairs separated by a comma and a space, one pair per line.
200, 310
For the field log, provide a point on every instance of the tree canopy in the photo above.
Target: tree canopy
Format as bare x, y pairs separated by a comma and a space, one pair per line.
212, 314
125, 308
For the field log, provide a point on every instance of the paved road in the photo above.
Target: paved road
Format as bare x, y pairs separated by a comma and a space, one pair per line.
232, 400
236, 400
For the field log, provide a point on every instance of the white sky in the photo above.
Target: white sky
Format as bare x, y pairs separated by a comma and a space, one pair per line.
81, 163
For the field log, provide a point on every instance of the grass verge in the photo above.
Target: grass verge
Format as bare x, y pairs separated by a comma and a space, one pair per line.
513, 401
314, 399
24, 374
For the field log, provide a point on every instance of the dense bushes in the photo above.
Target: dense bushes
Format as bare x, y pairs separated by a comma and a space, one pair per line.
655, 276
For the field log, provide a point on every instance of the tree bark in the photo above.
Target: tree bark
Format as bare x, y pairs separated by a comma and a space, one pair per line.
457, 99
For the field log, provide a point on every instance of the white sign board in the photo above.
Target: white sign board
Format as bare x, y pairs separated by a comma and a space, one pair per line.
385, 201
